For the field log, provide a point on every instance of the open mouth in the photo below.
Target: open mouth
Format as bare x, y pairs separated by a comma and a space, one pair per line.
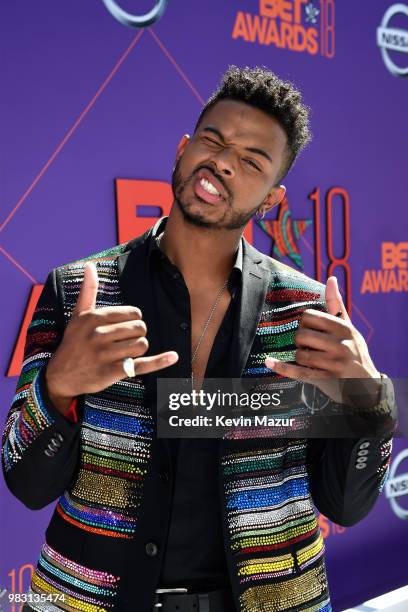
207, 188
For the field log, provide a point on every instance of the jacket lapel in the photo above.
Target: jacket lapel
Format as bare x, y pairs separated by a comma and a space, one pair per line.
255, 281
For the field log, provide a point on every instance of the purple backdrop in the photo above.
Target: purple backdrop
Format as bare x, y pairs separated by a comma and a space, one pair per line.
86, 101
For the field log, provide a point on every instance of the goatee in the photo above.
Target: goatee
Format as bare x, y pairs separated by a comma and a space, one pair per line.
231, 221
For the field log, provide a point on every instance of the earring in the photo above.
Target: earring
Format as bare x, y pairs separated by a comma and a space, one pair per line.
260, 214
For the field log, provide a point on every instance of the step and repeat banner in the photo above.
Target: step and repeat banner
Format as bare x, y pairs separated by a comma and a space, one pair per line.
92, 111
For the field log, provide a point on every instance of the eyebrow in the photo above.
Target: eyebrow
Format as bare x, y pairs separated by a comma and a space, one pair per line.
213, 130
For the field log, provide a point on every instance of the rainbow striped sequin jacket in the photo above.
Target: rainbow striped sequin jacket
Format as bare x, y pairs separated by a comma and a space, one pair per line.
103, 546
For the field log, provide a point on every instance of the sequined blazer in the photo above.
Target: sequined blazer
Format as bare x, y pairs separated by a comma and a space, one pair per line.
103, 546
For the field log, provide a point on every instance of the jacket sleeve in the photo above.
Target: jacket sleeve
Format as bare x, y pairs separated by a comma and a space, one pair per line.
40, 446
346, 475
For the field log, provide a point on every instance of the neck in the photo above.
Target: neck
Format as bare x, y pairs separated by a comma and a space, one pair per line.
203, 255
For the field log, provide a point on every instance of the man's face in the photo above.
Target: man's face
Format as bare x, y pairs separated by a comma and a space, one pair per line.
226, 171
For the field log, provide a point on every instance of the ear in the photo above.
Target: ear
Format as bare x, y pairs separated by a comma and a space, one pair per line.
274, 197
182, 145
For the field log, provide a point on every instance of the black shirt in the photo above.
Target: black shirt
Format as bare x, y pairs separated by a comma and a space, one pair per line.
194, 553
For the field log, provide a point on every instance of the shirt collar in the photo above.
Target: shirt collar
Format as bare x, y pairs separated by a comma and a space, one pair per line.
154, 248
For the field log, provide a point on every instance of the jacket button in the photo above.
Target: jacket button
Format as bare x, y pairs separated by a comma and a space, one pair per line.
151, 549
164, 477
54, 444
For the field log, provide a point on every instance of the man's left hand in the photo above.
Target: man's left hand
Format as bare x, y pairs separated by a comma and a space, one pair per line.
328, 346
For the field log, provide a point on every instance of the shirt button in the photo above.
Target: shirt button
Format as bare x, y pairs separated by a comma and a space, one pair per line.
151, 549
184, 326
176, 275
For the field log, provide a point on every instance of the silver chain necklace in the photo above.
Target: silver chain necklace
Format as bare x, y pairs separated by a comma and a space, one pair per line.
208, 321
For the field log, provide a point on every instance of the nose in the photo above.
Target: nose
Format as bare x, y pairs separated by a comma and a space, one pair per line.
224, 162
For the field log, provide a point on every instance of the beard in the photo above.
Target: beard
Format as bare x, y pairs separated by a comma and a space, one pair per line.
231, 219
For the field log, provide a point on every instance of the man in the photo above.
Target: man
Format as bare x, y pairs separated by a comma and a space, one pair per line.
217, 525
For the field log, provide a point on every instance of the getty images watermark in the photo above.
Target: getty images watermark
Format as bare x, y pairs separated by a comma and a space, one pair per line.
270, 407
219, 400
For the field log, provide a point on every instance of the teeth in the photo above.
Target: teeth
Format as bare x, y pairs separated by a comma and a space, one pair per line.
208, 187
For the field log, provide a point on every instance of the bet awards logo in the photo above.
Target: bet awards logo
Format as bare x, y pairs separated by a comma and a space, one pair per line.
298, 25
397, 485
393, 41
394, 273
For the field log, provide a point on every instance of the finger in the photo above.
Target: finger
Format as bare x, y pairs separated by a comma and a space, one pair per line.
318, 360
334, 300
322, 321
290, 370
117, 314
315, 339
145, 365
89, 289
126, 330
127, 348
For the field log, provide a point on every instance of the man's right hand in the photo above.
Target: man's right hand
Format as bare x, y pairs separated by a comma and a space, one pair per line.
95, 342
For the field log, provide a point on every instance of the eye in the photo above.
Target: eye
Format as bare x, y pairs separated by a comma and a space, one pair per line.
212, 141
251, 163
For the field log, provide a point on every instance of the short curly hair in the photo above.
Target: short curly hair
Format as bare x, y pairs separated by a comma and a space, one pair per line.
280, 99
